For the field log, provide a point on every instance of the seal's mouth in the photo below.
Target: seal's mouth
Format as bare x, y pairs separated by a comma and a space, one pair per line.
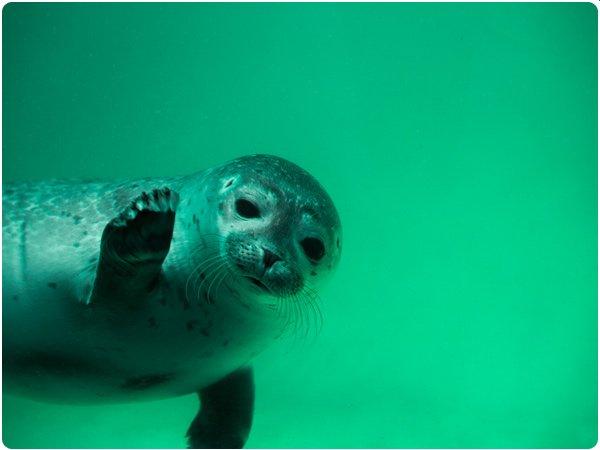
258, 283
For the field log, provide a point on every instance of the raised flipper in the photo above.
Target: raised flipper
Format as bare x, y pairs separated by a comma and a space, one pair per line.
226, 410
133, 248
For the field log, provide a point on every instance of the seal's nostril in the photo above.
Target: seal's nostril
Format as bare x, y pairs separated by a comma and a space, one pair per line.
270, 258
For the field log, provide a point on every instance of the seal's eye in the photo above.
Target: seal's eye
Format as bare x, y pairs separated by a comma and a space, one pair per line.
313, 248
246, 209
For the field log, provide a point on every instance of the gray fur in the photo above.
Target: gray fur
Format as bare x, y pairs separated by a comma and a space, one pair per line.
213, 297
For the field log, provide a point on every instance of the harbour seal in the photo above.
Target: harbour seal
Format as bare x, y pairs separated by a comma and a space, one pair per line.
160, 287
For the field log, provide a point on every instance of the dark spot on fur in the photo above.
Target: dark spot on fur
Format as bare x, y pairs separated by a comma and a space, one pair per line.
205, 332
194, 218
225, 343
145, 382
191, 324
183, 299
229, 183
338, 242
85, 233
50, 363
52, 285
313, 274
208, 199
76, 245
152, 322
9, 191
15, 297
77, 219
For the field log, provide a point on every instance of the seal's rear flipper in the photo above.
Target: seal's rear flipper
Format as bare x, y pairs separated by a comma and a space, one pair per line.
225, 416
133, 248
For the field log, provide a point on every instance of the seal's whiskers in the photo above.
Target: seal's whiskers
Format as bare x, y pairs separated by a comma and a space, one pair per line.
197, 273
208, 297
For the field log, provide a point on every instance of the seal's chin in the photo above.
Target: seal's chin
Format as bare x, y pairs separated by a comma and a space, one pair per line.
256, 282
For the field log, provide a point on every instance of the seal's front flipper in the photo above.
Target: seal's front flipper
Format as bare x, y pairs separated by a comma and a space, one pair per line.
133, 248
225, 416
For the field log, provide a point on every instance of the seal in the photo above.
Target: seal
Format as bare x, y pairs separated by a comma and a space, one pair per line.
123, 291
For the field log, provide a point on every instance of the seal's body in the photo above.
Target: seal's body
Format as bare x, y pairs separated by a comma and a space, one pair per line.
154, 288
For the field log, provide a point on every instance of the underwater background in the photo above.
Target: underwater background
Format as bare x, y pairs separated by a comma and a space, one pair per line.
459, 143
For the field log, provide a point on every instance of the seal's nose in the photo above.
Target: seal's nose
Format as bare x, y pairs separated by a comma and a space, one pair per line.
269, 258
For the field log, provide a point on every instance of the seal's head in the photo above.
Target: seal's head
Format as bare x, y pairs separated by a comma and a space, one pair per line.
279, 234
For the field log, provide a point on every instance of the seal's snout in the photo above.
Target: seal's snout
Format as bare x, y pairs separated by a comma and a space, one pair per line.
269, 258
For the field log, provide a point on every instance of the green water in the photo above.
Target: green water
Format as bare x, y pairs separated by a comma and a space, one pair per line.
459, 142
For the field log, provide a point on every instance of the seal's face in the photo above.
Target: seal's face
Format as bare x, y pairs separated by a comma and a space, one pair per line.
279, 232
282, 230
